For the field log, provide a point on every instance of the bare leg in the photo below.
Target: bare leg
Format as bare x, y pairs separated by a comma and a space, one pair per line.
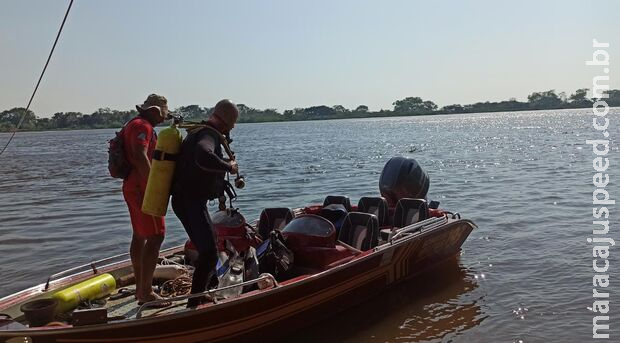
150, 254
136, 251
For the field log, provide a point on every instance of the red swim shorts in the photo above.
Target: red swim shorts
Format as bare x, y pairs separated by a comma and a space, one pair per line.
144, 225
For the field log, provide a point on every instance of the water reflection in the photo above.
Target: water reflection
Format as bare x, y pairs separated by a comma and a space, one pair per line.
440, 304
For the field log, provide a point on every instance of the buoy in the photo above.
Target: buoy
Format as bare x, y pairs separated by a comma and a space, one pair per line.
158, 185
91, 289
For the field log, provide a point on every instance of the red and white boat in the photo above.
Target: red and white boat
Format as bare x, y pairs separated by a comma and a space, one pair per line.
341, 255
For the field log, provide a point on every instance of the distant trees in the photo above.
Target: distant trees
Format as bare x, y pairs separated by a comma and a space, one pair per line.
414, 105
194, 112
10, 119
69, 119
106, 117
543, 100
318, 112
506, 105
361, 109
339, 109
579, 94
456, 108
102, 118
580, 98
614, 97
253, 115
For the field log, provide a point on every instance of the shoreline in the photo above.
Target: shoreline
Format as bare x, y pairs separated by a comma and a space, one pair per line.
351, 116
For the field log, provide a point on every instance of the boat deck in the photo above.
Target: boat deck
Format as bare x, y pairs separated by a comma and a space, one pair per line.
127, 306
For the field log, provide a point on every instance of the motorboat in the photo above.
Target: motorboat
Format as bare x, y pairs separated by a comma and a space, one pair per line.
279, 273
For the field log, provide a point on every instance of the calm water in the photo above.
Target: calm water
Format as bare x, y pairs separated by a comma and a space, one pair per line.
524, 178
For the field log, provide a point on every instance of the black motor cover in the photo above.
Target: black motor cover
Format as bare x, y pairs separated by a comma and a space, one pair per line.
403, 178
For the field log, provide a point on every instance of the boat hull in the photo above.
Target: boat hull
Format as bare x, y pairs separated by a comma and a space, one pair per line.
294, 304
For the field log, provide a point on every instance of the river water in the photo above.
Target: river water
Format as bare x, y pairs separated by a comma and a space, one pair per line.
525, 178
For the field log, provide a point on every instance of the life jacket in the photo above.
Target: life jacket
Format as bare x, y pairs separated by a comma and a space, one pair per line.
192, 181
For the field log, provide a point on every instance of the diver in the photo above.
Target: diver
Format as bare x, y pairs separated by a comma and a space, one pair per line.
139, 139
200, 177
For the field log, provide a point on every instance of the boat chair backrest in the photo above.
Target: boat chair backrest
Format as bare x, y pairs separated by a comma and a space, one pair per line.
274, 218
338, 199
335, 213
374, 205
409, 211
360, 230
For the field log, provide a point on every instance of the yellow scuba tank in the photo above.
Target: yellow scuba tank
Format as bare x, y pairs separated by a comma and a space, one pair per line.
91, 289
158, 185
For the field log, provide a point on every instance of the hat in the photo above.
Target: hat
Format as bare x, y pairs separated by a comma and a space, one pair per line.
151, 101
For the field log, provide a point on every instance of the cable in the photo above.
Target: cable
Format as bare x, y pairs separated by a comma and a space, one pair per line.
21, 120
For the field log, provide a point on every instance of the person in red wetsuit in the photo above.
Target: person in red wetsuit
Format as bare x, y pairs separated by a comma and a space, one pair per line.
139, 139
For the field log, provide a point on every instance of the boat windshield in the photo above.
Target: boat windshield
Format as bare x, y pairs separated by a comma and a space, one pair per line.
310, 225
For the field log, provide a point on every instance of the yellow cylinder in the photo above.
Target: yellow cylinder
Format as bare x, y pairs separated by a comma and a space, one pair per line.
158, 185
91, 289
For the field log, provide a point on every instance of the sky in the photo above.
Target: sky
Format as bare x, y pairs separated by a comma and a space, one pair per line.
285, 54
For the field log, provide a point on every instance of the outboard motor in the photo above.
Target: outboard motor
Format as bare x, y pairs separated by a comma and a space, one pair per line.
403, 178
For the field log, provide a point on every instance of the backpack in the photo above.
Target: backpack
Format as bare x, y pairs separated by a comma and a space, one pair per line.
118, 166
278, 260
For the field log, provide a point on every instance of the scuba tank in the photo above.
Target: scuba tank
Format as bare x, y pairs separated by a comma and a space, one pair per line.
162, 171
234, 270
91, 289
163, 166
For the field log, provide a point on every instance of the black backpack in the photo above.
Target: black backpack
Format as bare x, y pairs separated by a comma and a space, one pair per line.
118, 166
278, 259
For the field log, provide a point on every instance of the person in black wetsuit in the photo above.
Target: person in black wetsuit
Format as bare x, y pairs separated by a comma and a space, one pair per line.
200, 177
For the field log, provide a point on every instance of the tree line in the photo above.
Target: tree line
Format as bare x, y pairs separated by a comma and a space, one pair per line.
108, 118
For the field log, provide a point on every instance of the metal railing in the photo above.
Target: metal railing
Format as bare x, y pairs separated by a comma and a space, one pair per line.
210, 293
93, 266
428, 223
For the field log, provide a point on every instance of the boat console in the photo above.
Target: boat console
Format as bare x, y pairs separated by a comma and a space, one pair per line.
312, 239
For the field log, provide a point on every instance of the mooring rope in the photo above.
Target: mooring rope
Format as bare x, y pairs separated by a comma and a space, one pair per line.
21, 120
179, 286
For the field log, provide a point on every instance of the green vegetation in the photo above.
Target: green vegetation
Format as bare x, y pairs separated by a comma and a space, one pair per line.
107, 118
102, 118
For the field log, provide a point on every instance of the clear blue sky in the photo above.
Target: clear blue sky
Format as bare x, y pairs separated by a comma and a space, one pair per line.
285, 54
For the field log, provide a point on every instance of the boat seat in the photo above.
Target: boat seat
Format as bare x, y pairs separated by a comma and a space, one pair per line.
409, 211
360, 230
374, 205
338, 199
274, 218
335, 213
